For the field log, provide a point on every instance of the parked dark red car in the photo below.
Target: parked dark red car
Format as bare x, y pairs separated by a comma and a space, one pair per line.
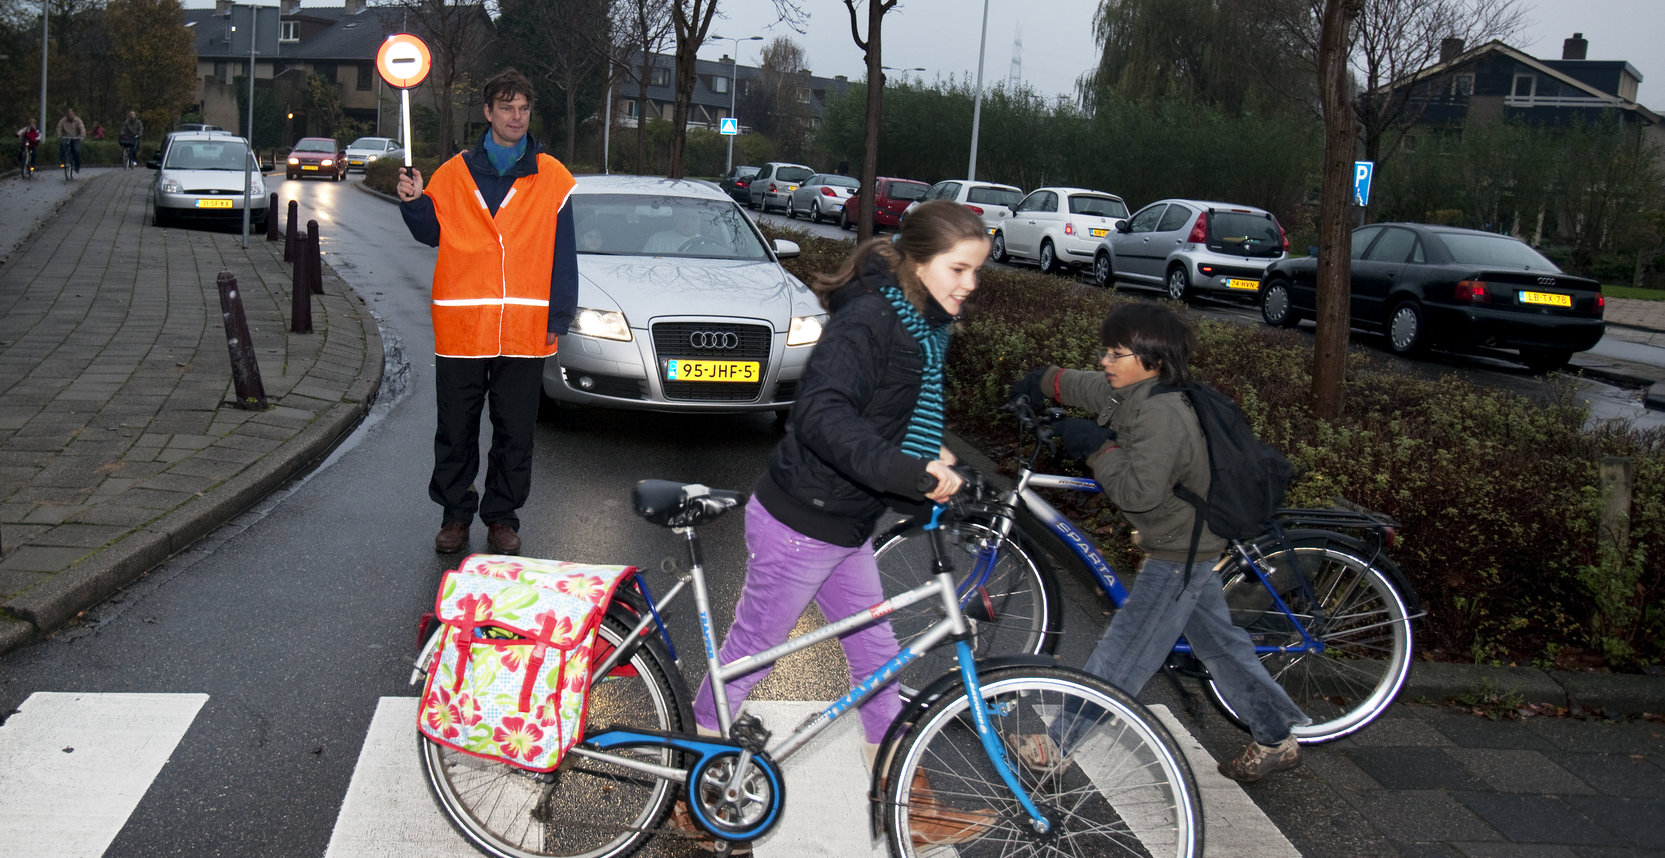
889, 202
317, 156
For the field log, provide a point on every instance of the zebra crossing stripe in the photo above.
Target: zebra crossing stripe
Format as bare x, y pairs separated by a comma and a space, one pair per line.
388, 810
73, 766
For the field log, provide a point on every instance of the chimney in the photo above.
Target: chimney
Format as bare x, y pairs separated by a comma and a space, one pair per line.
1451, 47
290, 7
222, 7
352, 7
1575, 48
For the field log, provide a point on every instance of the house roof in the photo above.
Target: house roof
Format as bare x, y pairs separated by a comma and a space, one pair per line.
345, 37
1603, 98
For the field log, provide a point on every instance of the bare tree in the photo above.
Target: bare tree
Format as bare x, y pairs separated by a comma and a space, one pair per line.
564, 45
456, 33
641, 26
782, 114
1329, 352
692, 22
871, 46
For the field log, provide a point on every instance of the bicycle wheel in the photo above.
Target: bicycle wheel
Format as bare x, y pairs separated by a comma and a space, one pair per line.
1015, 612
1124, 789
1352, 607
585, 808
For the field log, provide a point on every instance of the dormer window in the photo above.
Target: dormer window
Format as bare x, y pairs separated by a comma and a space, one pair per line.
290, 32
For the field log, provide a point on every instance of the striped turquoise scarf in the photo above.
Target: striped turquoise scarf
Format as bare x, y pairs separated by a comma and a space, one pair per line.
925, 427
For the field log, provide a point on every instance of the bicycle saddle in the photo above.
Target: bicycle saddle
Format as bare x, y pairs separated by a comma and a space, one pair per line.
673, 504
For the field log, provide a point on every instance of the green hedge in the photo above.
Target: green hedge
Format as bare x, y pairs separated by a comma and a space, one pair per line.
1497, 493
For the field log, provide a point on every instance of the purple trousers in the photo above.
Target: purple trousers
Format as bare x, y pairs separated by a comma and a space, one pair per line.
784, 572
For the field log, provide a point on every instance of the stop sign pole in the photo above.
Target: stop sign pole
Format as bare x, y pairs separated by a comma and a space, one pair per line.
403, 61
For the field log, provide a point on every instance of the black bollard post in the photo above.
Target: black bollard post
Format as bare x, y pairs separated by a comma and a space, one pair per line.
245, 371
314, 258
271, 218
300, 300
289, 236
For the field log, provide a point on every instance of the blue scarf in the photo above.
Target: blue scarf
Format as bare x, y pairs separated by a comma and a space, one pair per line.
925, 427
503, 157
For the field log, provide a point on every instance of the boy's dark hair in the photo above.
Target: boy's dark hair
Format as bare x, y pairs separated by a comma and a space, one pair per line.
1154, 333
507, 84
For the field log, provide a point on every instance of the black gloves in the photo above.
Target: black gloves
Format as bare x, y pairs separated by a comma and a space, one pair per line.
1081, 438
1030, 387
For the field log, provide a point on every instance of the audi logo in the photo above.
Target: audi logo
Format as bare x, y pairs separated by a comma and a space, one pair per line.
1546, 281
714, 340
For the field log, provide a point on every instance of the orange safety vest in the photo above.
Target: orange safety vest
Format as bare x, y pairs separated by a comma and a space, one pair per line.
491, 283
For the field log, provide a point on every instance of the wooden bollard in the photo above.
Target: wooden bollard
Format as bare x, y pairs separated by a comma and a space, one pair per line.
271, 218
314, 258
290, 239
245, 370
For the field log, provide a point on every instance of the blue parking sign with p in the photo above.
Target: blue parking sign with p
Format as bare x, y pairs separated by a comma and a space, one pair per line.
1361, 182
728, 125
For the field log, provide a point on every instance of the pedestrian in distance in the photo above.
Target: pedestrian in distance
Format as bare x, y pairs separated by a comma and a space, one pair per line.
505, 287
131, 131
1141, 445
865, 433
28, 140
97, 132
70, 131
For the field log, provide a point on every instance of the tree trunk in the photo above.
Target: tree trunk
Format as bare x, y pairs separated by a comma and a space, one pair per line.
641, 118
1329, 354
875, 106
685, 68
572, 120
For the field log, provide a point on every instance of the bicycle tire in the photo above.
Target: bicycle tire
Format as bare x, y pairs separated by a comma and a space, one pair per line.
1361, 618
1016, 612
1125, 789
586, 808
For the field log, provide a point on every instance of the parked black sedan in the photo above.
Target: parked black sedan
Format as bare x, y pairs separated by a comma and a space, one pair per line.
1423, 286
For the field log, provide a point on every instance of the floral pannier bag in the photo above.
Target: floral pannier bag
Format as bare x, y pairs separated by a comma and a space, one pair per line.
511, 677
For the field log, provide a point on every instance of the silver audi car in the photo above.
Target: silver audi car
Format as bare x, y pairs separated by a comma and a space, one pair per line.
682, 303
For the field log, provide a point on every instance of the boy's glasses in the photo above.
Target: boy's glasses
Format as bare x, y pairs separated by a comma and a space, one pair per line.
1113, 356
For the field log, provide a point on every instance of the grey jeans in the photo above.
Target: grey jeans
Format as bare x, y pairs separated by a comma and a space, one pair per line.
1158, 610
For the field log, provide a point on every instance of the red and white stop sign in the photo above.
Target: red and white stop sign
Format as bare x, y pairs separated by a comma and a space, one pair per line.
403, 60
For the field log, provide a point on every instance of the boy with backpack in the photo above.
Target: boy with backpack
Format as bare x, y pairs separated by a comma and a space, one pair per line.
1148, 452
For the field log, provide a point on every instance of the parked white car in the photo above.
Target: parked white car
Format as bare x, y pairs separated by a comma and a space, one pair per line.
1058, 228
365, 151
990, 201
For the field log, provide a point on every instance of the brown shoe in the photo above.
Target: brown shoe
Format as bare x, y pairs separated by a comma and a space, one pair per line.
451, 537
1258, 761
932, 823
502, 539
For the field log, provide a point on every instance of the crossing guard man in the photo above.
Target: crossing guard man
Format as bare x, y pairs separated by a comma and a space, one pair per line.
505, 287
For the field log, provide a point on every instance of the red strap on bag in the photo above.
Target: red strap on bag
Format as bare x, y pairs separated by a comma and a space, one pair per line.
465, 626
534, 665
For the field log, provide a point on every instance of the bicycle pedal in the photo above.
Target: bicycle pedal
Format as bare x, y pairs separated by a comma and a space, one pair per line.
748, 732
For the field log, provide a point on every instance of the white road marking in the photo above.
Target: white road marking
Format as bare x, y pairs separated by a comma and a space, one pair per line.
388, 810
73, 766
1233, 827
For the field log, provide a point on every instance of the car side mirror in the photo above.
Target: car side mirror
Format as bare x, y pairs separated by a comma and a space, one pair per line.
1121, 226
1312, 250
786, 249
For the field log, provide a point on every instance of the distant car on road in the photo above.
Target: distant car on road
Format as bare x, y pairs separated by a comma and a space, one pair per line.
197, 126
317, 156
1426, 286
774, 184
199, 177
821, 196
683, 305
1190, 246
365, 151
737, 183
891, 198
990, 201
1058, 228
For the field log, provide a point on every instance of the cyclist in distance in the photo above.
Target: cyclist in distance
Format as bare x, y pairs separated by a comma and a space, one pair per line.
28, 139
1139, 448
866, 433
70, 131
131, 130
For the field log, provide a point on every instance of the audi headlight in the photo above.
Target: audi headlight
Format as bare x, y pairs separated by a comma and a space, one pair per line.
606, 324
805, 330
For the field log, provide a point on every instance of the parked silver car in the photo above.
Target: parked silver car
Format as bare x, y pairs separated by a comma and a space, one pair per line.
683, 305
821, 196
1192, 246
774, 183
199, 177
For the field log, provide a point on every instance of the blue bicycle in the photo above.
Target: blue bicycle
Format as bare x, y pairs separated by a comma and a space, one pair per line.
1330, 613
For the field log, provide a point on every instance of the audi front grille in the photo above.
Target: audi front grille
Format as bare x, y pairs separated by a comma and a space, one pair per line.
712, 341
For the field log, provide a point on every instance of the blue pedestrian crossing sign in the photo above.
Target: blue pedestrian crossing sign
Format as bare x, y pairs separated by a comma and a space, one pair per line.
728, 125
1362, 171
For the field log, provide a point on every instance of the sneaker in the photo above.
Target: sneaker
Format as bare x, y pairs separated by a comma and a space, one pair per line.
451, 537
1036, 752
1258, 761
682, 822
932, 823
502, 539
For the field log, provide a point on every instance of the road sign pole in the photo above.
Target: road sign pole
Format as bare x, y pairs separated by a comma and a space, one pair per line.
404, 121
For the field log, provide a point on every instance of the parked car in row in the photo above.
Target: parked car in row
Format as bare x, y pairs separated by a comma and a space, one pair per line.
1425, 286
365, 151
199, 177
737, 183
891, 197
774, 183
1058, 228
990, 201
683, 305
317, 156
1189, 246
821, 196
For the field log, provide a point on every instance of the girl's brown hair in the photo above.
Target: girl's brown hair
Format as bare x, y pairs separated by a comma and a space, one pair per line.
930, 229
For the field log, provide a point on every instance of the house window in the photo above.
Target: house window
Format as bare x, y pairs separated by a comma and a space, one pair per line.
220, 71
366, 75
803, 95
1463, 85
1526, 85
719, 84
291, 32
326, 71
630, 107
661, 77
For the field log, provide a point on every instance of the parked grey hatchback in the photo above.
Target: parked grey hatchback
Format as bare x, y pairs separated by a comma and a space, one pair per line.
1187, 247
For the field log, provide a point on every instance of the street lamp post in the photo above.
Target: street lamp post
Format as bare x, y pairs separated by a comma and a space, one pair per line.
904, 71
733, 87
977, 105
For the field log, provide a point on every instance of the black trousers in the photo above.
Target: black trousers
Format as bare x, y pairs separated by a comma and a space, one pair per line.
462, 388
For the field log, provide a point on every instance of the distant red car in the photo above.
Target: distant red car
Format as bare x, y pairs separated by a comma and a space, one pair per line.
317, 156
889, 202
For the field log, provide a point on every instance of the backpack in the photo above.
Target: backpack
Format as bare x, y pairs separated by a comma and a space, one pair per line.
1246, 477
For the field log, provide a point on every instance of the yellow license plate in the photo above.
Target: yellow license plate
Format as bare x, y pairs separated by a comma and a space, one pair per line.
792, 187
1098, 233
1548, 299
711, 370
1235, 283
309, 167
213, 204
356, 163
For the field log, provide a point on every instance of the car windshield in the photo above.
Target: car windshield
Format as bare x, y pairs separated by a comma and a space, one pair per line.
663, 225
994, 197
907, 190
1083, 204
792, 174
368, 143
1244, 232
1495, 251
207, 155
315, 146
